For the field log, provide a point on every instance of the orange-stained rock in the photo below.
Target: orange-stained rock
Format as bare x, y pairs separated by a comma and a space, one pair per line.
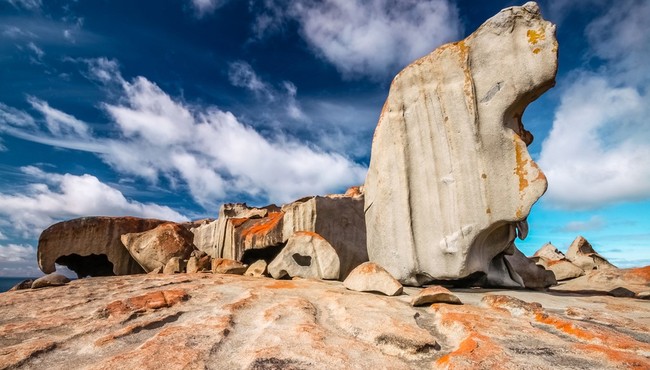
228, 266
80, 244
434, 294
370, 277
154, 248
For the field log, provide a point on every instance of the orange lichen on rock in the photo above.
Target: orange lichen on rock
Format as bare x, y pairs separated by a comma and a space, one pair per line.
264, 227
642, 273
520, 168
308, 233
627, 359
281, 284
151, 301
535, 36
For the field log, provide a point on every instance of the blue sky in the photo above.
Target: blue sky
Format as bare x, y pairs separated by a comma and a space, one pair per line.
169, 108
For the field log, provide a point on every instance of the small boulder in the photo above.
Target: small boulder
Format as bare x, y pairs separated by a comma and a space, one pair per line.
563, 269
370, 277
198, 264
175, 265
583, 255
434, 294
257, 269
153, 248
50, 280
228, 266
306, 255
25, 284
643, 295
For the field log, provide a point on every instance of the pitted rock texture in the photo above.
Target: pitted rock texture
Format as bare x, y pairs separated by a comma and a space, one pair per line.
306, 255
80, 244
154, 248
450, 181
210, 321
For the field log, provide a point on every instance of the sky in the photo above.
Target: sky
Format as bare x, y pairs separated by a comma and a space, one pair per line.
169, 108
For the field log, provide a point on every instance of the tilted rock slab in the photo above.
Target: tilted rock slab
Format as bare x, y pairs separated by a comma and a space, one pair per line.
450, 181
154, 248
550, 253
88, 237
306, 255
583, 255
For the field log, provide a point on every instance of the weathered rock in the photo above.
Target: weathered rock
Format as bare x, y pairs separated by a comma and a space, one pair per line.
234, 322
550, 253
604, 281
175, 265
257, 269
562, 269
157, 270
338, 219
583, 255
50, 280
91, 246
450, 181
25, 284
370, 277
198, 264
532, 275
153, 248
434, 294
643, 295
306, 255
228, 266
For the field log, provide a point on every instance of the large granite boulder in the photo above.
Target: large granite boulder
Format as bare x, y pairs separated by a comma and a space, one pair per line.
306, 255
583, 255
450, 182
91, 246
154, 248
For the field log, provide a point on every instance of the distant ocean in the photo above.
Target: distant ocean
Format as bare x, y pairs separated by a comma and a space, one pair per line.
7, 283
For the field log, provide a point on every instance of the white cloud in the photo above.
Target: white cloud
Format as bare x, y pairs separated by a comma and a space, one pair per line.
241, 74
594, 223
207, 150
17, 253
597, 151
204, 7
367, 37
27, 4
2, 236
14, 117
52, 197
37, 51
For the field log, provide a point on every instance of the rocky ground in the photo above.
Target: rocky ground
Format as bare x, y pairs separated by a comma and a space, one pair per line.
212, 321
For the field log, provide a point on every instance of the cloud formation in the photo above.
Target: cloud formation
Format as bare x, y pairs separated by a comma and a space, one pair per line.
204, 150
52, 197
602, 123
594, 223
372, 38
205, 7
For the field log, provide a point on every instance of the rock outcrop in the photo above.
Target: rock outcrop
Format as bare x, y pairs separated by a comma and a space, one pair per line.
91, 246
550, 253
370, 277
206, 321
608, 281
306, 255
549, 257
153, 248
532, 275
434, 294
450, 181
248, 233
583, 255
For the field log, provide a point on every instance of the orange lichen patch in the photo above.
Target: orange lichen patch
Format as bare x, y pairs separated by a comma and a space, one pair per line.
281, 284
520, 163
536, 50
642, 273
237, 222
564, 326
152, 301
627, 359
535, 36
353, 191
308, 233
264, 227
554, 262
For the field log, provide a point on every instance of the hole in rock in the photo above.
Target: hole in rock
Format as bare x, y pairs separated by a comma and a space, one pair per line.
302, 260
92, 265
267, 254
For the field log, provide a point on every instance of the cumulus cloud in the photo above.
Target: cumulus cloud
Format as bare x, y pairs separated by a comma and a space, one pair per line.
366, 38
17, 253
203, 149
602, 122
594, 223
52, 197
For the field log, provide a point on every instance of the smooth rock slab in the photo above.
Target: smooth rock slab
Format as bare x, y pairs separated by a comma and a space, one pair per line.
370, 277
306, 255
50, 280
450, 181
434, 294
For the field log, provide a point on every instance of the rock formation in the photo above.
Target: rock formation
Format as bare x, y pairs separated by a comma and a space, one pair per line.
450, 181
583, 255
306, 255
233, 322
370, 277
532, 275
153, 248
434, 294
550, 253
91, 246
50, 280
